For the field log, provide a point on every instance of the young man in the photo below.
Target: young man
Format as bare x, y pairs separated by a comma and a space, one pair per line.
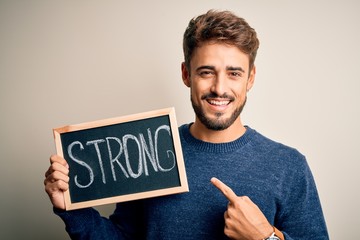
269, 193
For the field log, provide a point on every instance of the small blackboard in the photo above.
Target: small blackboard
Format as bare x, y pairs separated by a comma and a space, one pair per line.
122, 159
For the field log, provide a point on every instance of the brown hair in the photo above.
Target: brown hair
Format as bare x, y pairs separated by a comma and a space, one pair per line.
220, 27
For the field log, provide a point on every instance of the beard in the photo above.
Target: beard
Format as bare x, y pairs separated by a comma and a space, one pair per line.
217, 123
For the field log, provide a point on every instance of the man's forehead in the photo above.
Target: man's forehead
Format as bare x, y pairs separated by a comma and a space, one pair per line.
222, 56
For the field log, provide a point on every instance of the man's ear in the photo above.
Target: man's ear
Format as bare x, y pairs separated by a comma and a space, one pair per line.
185, 74
251, 79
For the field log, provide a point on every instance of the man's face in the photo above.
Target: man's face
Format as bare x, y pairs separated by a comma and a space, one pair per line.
219, 79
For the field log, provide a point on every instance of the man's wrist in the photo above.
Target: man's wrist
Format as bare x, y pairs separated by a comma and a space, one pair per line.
276, 235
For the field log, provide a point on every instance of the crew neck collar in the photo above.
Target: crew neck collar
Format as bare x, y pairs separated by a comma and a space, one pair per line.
216, 147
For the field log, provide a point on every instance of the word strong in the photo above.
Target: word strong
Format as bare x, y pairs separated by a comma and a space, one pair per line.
129, 156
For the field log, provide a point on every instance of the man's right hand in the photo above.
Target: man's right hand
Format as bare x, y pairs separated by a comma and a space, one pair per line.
57, 181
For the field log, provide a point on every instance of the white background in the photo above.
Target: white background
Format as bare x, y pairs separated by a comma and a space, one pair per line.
67, 62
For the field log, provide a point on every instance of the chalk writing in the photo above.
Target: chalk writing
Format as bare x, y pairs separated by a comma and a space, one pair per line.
123, 158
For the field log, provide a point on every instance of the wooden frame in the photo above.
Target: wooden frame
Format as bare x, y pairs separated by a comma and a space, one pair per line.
170, 112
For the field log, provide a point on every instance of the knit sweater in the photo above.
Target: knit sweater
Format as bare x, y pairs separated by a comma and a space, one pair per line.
275, 177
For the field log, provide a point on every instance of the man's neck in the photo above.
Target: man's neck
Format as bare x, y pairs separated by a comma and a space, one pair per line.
201, 132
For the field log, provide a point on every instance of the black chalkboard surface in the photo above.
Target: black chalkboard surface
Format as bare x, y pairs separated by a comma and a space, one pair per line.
122, 159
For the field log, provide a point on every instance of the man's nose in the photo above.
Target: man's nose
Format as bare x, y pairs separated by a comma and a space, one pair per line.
219, 85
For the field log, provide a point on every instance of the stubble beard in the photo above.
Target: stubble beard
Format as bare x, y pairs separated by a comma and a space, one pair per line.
217, 124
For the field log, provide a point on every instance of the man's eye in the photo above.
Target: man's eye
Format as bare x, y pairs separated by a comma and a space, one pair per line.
235, 74
206, 73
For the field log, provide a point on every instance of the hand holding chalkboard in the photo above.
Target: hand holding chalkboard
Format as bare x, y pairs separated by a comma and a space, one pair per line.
119, 159
57, 181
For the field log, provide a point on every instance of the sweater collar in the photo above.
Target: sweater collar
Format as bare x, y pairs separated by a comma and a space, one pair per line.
215, 147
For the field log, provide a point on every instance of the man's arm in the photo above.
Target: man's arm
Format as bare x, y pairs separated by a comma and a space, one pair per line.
300, 214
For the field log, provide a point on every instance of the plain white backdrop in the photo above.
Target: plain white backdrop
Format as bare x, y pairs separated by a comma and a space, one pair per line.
67, 62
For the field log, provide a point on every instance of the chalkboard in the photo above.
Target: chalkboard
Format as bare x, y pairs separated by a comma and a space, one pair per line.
122, 159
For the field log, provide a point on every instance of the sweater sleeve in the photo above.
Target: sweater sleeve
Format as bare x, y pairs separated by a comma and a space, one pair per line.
88, 224
127, 222
301, 215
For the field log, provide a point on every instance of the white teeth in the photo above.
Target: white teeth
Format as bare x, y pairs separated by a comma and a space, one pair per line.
218, 103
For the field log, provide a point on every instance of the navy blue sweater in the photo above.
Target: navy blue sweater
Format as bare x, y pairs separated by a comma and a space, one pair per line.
276, 178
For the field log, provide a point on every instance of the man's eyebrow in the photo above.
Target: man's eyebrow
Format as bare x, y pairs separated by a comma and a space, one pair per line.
235, 69
205, 67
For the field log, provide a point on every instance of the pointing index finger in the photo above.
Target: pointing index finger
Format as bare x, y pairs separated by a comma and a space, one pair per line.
226, 190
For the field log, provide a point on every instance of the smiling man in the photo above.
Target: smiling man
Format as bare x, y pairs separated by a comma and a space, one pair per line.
266, 190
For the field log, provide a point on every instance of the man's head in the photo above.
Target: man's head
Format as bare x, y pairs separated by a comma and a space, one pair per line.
220, 27
220, 50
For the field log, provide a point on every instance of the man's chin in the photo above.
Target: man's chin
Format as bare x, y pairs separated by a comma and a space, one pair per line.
216, 124
216, 121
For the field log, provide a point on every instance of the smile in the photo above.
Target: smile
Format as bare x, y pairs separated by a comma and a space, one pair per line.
218, 103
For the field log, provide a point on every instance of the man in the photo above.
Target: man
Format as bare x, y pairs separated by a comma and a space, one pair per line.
269, 193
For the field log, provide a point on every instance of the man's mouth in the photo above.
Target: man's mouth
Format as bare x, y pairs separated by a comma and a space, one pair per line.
218, 102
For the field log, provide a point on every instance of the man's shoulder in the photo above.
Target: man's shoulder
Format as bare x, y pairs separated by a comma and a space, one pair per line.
274, 148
